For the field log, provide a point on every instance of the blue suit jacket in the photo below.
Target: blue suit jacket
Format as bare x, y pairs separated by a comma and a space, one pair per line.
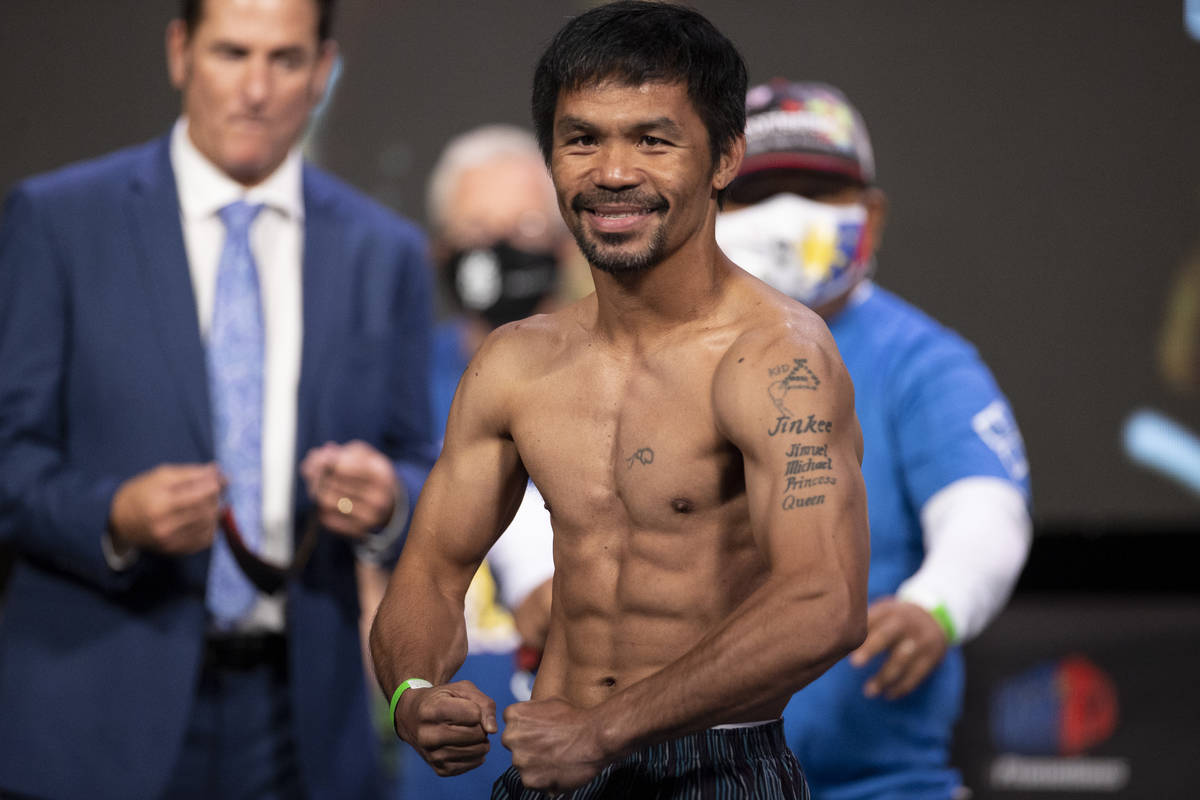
102, 376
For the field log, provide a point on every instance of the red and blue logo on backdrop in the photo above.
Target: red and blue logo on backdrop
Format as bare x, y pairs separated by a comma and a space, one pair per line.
1060, 708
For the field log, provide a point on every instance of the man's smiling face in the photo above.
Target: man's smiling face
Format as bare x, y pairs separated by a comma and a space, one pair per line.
633, 172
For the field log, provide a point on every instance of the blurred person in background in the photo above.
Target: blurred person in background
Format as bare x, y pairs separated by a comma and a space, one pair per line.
214, 399
945, 469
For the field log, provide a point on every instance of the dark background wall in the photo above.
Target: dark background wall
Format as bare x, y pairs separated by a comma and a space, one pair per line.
1040, 157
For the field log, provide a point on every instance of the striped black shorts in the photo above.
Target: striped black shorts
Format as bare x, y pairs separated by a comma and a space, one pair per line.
721, 764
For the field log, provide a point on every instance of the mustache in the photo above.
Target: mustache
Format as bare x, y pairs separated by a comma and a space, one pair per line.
628, 197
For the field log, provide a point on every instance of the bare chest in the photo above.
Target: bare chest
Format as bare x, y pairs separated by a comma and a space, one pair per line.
632, 446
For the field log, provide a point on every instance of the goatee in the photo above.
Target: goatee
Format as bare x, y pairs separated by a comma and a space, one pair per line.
614, 261
603, 252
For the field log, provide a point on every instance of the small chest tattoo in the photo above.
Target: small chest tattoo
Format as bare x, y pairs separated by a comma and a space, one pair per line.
643, 455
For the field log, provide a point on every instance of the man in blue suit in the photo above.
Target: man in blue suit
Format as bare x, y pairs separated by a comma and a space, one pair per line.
195, 330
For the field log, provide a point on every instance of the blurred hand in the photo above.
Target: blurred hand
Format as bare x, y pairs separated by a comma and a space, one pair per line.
532, 616
554, 744
169, 509
353, 486
447, 725
913, 641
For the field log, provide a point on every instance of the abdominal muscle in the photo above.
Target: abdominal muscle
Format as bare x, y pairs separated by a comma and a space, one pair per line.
628, 603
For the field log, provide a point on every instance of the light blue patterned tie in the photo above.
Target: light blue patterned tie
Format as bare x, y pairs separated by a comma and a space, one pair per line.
235, 381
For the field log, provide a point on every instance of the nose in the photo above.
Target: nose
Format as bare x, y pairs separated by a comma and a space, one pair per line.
256, 82
615, 167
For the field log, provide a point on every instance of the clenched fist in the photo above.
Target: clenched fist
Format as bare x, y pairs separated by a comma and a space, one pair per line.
555, 746
447, 725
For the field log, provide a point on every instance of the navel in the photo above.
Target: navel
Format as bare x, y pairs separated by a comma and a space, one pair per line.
608, 681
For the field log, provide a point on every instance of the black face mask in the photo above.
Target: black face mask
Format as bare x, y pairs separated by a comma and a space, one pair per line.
501, 283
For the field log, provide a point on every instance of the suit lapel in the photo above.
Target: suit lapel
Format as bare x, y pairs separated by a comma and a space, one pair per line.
327, 291
153, 207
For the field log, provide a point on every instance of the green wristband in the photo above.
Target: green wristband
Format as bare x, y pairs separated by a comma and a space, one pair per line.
411, 683
942, 617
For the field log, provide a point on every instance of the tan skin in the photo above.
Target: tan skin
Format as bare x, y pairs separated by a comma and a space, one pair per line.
912, 639
685, 595
250, 74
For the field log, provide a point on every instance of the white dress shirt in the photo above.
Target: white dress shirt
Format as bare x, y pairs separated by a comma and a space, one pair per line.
277, 241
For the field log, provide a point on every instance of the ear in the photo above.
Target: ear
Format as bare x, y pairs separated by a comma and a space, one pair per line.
177, 55
326, 58
729, 162
877, 207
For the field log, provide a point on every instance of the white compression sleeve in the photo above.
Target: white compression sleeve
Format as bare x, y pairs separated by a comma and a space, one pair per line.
977, 533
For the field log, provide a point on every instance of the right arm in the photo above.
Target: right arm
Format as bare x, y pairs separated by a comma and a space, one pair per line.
419, 631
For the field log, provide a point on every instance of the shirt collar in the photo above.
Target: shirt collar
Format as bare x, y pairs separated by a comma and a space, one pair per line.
204, 189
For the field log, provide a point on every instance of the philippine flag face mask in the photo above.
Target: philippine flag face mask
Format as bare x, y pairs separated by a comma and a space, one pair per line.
810, 251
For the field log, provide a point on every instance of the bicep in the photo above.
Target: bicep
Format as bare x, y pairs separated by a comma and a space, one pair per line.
791, 415
472, 491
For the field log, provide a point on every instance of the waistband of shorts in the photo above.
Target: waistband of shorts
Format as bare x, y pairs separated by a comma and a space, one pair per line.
720, 744
735, 725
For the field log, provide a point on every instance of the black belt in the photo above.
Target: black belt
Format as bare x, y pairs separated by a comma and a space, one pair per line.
242, 651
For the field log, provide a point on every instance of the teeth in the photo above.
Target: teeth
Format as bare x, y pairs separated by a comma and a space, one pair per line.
621, 215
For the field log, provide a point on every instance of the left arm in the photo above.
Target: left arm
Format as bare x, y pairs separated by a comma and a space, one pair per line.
963, 464
977, 533
808, 613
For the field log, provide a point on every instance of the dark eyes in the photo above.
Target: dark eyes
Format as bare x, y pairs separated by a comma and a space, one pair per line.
587, 140
288, 59
229, 53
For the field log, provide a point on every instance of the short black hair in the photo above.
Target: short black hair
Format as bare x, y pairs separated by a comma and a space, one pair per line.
193, 10
641, 41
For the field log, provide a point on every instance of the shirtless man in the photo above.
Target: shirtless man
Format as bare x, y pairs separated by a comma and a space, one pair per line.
693, 433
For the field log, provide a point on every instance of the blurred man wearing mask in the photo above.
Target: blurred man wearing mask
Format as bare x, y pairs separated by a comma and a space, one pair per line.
501, 249
213, 400
498, 241
945, 470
